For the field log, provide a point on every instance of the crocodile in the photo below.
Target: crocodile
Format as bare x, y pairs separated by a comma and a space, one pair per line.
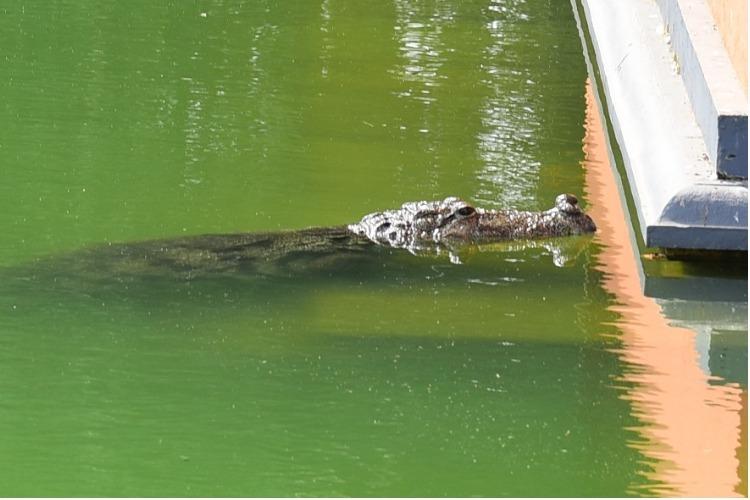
452, 221
420, 227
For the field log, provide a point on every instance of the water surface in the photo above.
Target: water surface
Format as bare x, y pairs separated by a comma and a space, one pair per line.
404, 376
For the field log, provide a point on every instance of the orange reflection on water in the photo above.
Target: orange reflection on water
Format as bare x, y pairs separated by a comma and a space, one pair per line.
693, 433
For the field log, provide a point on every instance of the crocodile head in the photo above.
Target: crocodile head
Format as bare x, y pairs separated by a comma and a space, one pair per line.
425, 224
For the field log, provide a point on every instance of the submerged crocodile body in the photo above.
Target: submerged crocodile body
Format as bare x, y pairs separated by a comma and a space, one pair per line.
420, 227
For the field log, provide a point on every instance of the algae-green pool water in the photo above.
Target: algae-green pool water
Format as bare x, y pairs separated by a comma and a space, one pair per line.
129, 121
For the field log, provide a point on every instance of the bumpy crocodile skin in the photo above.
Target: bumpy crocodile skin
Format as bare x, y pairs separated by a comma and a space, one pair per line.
423, 224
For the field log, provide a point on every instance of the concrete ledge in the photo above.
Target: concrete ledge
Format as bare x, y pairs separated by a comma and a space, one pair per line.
679, 201
722, 209
714, 89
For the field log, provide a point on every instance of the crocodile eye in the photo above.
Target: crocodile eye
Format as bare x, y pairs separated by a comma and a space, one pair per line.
465, 211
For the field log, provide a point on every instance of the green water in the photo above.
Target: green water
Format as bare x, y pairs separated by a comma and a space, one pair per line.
409, 376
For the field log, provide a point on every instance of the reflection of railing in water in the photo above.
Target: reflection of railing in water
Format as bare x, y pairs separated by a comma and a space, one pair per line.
692, 427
